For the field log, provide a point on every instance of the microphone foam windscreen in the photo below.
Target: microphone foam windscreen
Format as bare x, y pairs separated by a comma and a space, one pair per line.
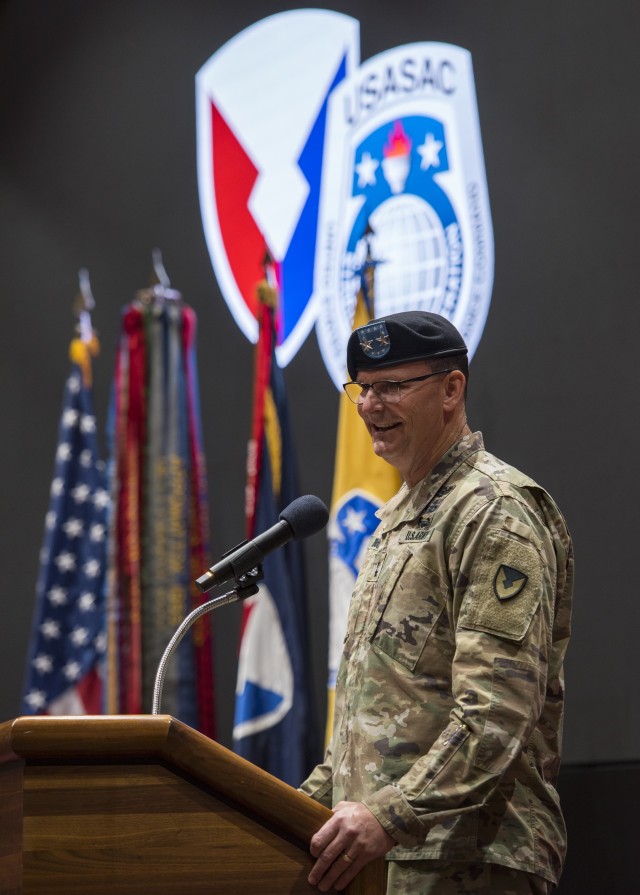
306, 515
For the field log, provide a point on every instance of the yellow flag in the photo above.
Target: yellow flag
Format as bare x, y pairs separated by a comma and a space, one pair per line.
362, 483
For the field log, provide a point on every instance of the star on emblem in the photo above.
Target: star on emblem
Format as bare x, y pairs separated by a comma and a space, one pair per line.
354, 521
366, 170
430, 152
383, 339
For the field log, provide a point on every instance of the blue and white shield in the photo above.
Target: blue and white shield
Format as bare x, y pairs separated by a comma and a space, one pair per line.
405, 193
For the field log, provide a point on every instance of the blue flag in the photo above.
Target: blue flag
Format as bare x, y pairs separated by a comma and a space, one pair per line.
68, 638
275, 725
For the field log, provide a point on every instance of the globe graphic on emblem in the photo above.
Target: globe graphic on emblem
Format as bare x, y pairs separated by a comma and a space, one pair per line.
410, 245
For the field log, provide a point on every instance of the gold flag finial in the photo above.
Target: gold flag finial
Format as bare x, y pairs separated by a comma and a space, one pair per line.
85, 345
267, 289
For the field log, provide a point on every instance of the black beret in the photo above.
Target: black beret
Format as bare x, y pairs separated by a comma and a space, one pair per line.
400, 339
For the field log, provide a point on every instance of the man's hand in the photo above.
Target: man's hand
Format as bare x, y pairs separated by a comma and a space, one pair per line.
347, 842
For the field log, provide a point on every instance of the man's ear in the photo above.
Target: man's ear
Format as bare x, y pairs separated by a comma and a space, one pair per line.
454, 389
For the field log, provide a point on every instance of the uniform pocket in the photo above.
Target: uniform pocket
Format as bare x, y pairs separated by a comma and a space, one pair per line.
414, 597
515, 698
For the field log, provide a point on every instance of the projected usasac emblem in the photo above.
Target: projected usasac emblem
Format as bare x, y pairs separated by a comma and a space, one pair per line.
405, 188
261, 117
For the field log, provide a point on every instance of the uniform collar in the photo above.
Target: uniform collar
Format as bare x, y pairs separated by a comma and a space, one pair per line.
411, 502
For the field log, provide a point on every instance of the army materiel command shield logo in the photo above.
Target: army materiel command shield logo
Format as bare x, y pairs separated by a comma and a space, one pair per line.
509, 582
261, 114
404, 180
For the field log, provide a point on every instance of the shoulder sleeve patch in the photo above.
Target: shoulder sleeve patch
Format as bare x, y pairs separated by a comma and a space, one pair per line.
509, 582
504, 587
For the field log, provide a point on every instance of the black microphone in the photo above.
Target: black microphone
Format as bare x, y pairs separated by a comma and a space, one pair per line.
303, 517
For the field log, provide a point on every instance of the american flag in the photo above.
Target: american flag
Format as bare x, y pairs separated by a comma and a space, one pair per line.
68, 637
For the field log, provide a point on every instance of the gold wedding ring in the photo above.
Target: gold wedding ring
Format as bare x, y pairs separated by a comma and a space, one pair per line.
346, 858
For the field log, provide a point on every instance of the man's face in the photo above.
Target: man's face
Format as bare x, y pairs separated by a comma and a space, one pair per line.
404, 433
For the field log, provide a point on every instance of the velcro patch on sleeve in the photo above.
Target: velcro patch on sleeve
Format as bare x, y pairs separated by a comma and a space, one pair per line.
504, 587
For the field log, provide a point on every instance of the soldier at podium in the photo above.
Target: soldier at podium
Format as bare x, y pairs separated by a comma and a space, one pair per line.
449, 700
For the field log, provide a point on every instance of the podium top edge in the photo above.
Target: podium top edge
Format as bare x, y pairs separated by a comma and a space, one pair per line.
122, 739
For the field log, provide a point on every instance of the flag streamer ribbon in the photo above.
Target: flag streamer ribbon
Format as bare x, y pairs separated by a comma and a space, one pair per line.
160, 524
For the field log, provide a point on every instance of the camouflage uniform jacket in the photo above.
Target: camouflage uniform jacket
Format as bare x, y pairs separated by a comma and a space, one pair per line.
449, 698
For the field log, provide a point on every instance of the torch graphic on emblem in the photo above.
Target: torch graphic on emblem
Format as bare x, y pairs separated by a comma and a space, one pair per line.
397, 158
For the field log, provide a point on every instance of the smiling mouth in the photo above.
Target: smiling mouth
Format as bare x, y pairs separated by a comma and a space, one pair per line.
376, 429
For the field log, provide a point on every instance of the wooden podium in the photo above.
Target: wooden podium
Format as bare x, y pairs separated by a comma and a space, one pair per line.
144, 804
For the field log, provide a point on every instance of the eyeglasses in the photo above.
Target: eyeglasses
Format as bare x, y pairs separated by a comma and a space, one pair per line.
389, 391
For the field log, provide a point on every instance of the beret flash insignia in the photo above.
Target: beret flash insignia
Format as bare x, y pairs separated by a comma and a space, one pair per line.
374, 339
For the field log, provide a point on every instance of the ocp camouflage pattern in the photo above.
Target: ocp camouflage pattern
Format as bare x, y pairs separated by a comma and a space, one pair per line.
449, 699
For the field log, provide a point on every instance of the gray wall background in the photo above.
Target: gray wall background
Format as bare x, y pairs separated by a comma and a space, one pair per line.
98, 167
